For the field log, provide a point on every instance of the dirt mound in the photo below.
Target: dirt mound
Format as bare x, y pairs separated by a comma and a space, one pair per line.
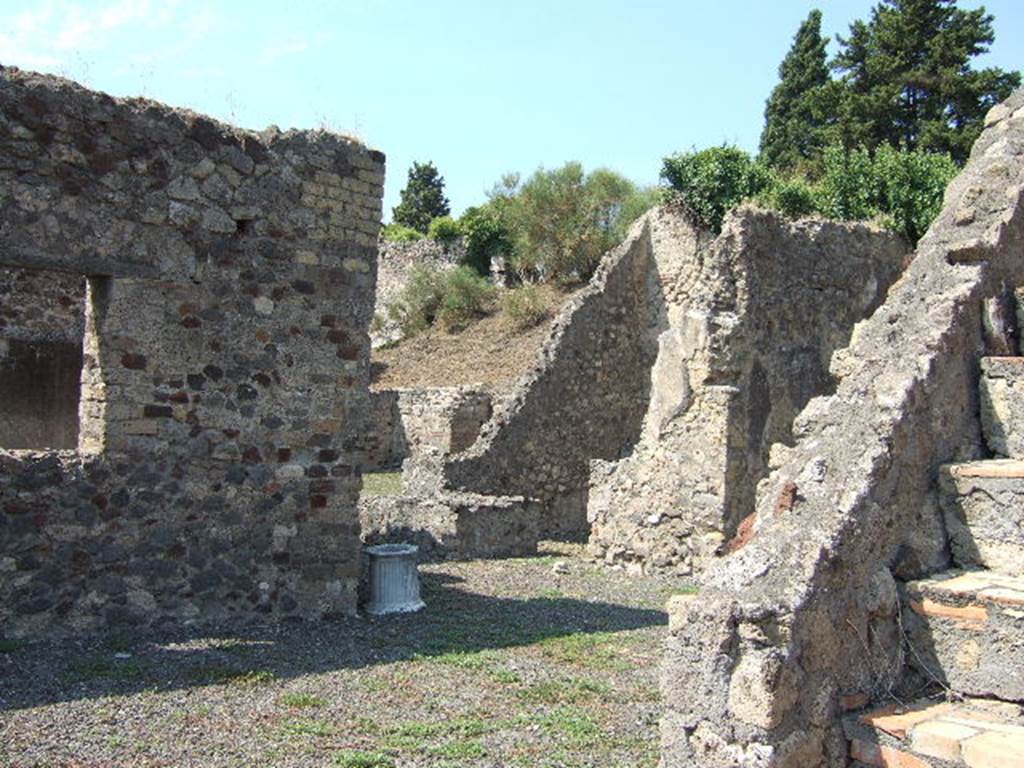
491, 352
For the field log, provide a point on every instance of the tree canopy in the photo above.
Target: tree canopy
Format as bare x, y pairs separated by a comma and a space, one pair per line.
423, 198
906, 78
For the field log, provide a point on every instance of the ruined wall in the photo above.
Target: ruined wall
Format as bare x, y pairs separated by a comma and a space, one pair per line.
803, 622
405, 421
584, 398
395, 265
41, 326
230, 284
750, 322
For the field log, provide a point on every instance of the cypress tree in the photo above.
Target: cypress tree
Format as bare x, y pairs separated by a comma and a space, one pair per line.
794, 119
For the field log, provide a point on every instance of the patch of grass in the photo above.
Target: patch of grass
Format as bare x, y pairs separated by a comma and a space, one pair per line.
98, 668
598, 650
571, 725
681, 589
551, 594
355, 758
253, 677
506, 676
565, 691
460, 750
302, 701
382, 484
308, 728
475, 660
10, 646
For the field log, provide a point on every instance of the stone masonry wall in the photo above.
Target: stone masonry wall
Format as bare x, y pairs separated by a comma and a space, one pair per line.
41, 324
584, 398
404, 422
230, 287
803, 622
750, 322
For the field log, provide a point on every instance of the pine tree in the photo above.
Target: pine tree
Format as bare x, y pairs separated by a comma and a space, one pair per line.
422, 199
793, 116
907, 78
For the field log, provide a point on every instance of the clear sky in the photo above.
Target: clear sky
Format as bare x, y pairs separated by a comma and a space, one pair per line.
479, 87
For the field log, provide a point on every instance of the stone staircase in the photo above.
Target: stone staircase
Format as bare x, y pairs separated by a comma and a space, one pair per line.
965, 627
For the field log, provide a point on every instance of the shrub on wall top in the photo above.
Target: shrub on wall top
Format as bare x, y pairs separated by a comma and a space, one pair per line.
710, 182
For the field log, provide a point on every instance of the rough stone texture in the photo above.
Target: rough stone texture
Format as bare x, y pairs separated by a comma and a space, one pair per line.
584, 398
453, 525
744, 338
983, 504
396, 262
41, 326
230, 283
1002, 405
655, 400
810, 600
967, 630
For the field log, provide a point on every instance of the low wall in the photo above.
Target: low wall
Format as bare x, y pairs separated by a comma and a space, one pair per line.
803, 622
230, 282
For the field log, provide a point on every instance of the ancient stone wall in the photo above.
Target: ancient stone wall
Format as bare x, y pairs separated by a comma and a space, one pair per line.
230, 286
803, 622
41, 324
584, 398
404, 422
396, 263
648, 417
750, 322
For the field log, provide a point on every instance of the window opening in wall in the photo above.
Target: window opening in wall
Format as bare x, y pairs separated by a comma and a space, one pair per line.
41, 330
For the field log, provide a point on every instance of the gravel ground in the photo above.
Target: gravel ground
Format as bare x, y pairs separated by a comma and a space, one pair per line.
543, 661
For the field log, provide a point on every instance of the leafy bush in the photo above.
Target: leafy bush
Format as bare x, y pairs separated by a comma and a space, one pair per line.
710, 182
910, 186
524, 306
417, 305
445, 230
487, 235
847, 190
396, 233
466, 297
450, 297
793, 198
563, 220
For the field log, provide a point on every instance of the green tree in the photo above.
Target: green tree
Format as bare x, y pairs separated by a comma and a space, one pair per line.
907, 80
794, 117
563, 220
422, 199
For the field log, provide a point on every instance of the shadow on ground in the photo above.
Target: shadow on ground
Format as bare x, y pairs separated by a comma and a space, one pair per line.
454, 622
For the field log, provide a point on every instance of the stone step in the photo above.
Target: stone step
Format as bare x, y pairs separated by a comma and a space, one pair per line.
966, 630
983, 503
977, 733
1002, 405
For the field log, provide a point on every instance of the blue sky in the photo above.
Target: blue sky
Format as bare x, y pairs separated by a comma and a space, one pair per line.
480, 88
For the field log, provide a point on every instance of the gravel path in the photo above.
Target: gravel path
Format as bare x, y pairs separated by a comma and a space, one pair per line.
511, 664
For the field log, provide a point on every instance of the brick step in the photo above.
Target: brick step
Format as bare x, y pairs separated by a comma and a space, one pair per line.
977, 733
983, 503
1002, 405
966, 630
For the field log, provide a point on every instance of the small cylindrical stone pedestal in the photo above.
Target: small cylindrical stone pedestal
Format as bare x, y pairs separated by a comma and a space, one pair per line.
394, 583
